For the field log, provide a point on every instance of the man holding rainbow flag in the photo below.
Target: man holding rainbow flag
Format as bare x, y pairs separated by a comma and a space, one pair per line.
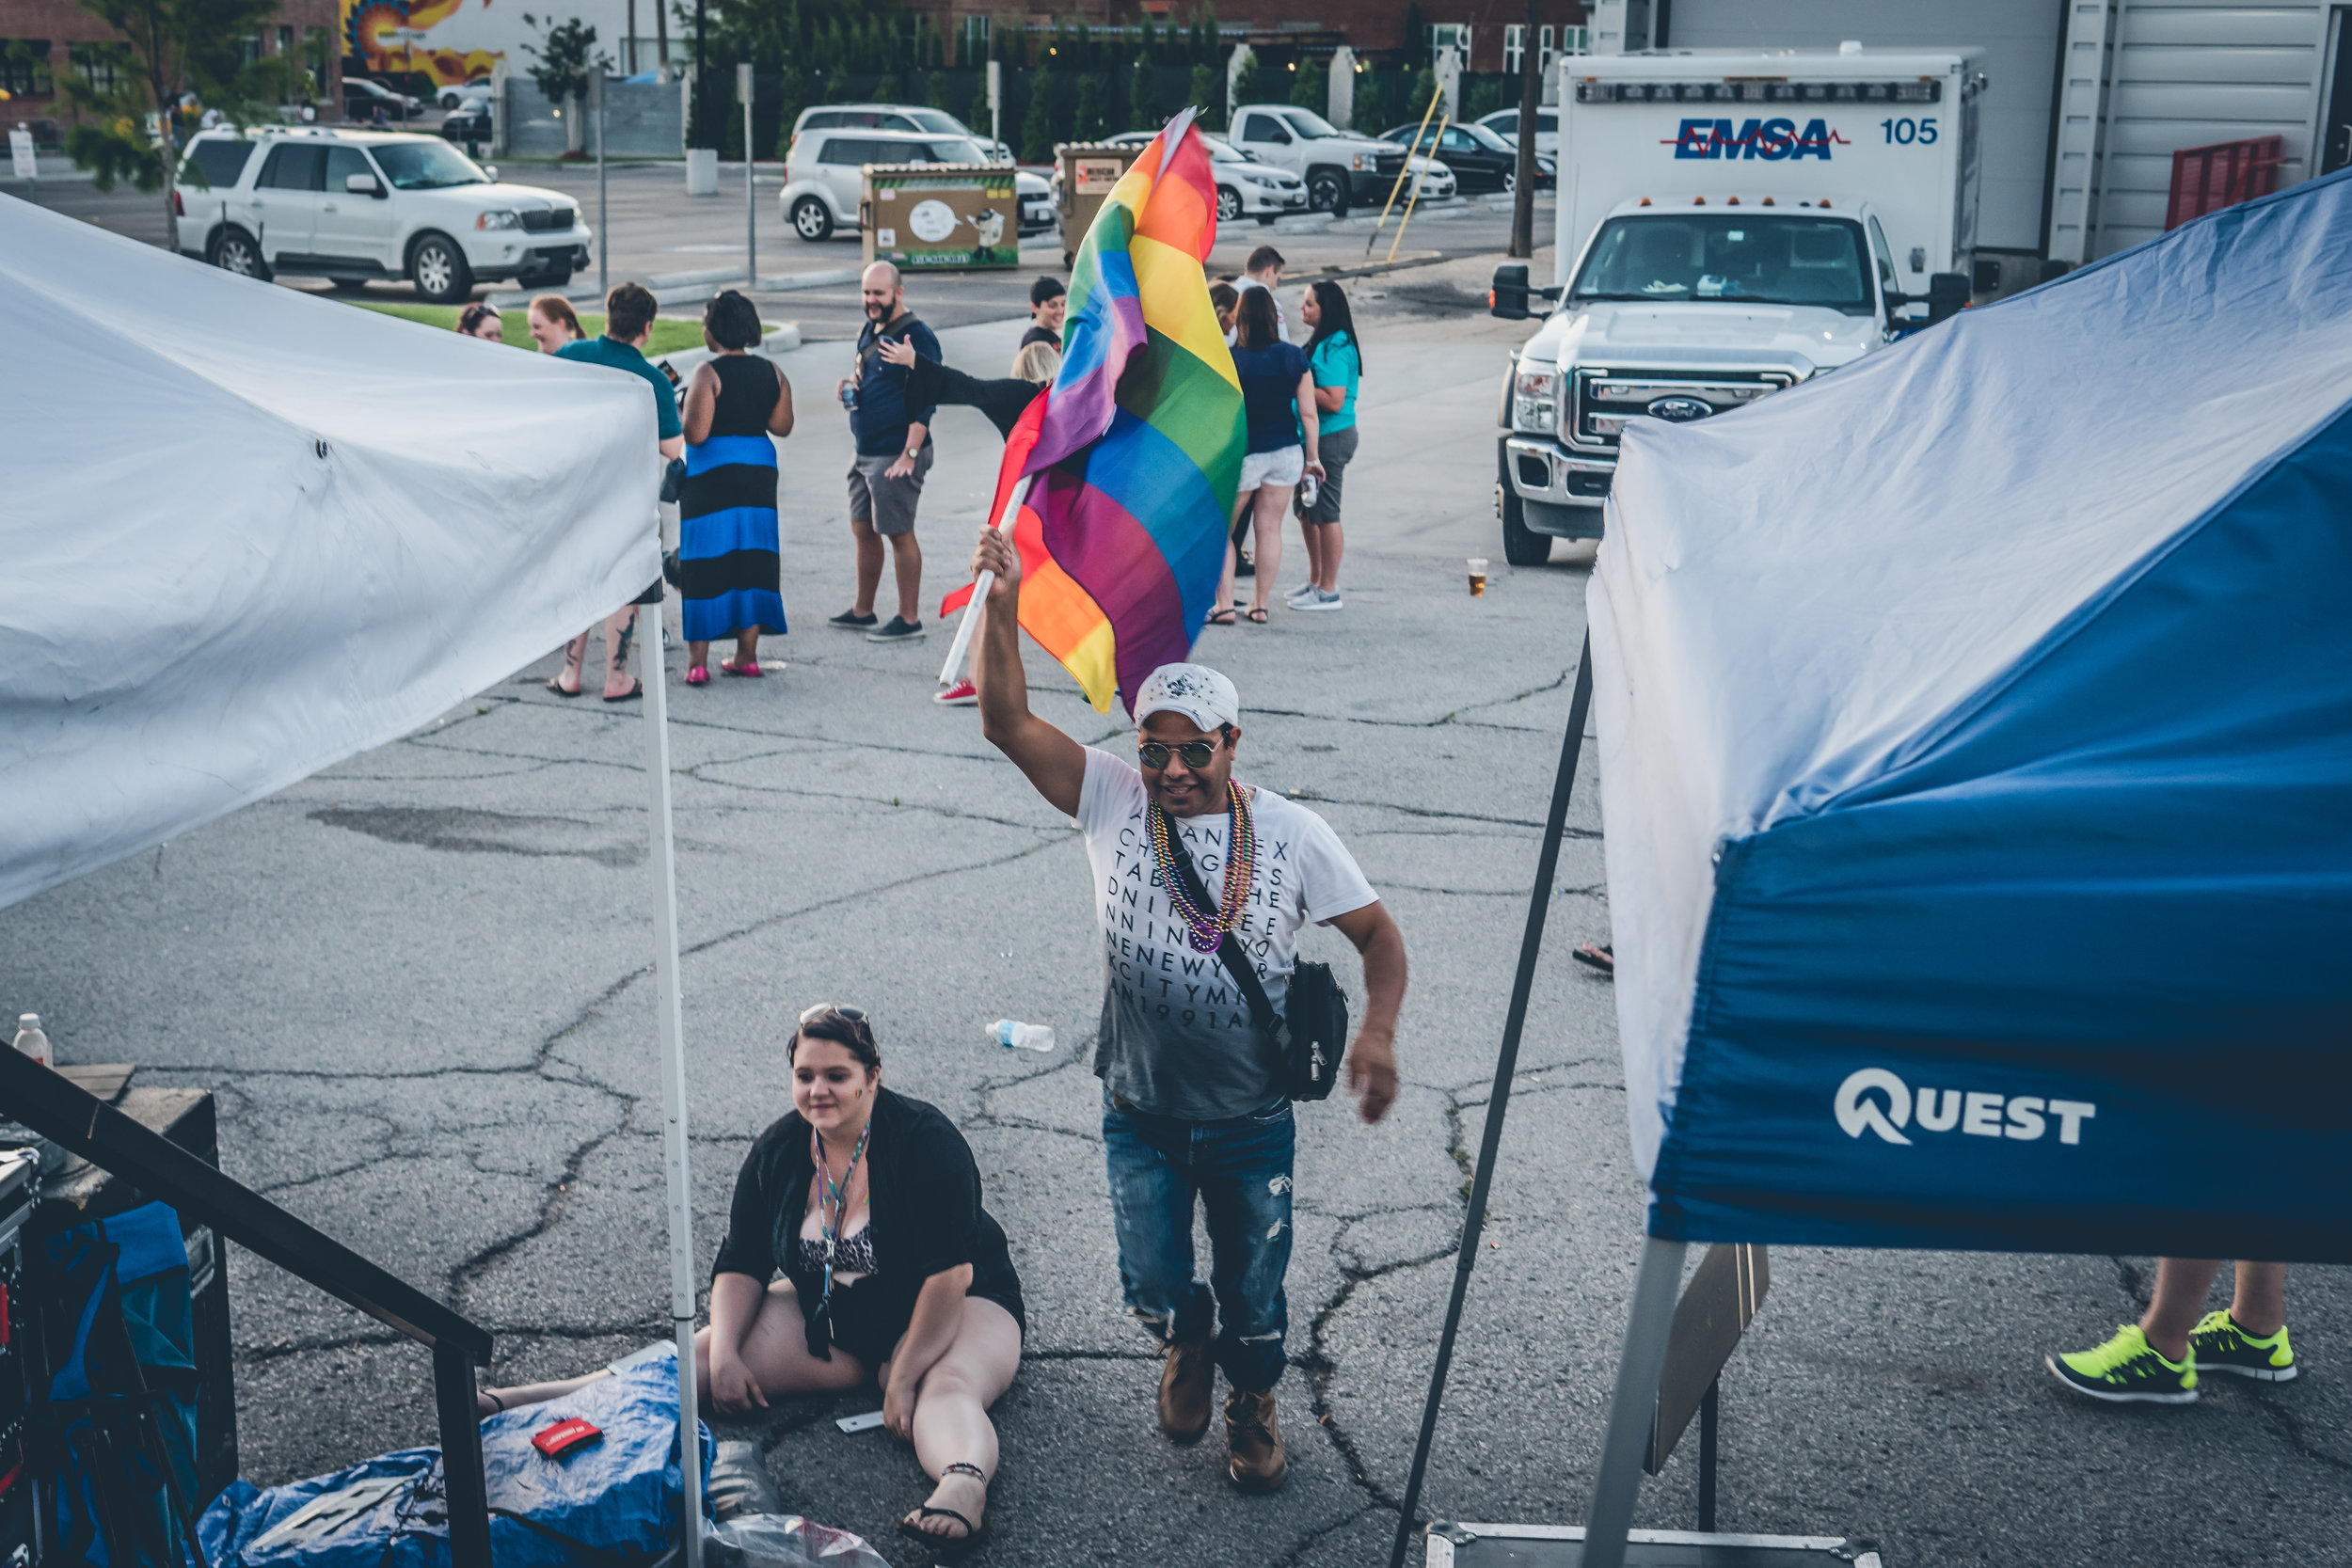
1127, 468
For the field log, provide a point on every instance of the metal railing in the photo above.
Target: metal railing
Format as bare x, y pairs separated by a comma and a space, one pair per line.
87, 1126
2207, 179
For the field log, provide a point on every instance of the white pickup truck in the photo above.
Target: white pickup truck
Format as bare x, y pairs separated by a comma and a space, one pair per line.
1688, 289
1340, 167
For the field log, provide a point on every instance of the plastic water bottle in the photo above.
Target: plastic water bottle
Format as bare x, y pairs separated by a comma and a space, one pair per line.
1307, 493
30, 1041
1021, 1036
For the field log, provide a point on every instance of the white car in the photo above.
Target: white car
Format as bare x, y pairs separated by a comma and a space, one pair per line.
917, 118
353, 205
1244, 186
824, 178
1505, 123
477, 90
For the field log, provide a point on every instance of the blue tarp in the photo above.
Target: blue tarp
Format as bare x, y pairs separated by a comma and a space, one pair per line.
619, 1497
1976, 729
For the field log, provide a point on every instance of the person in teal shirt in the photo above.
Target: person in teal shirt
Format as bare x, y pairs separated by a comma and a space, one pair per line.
629, 313
1337, 363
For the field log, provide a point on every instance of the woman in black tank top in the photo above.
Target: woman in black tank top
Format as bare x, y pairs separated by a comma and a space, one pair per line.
728, 574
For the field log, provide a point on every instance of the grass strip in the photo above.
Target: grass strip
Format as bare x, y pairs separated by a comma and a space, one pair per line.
669, 336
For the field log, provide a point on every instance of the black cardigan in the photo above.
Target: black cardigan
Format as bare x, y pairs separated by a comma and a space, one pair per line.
925, 1196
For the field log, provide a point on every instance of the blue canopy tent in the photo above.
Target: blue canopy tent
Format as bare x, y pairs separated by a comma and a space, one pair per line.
1976, 754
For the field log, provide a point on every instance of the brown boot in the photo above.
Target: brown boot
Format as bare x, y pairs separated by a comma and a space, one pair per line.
1188, 1384
1253, 1442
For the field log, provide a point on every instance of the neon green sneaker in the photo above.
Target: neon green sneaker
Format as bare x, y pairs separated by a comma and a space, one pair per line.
2127, 1370
2218, 1345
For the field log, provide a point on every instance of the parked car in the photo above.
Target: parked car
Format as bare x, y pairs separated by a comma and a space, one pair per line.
823, 178
917, 117
1480, 161
362, 98
1244, 186
451, 98
469, 125
1505, 123
1340, 168
354, 205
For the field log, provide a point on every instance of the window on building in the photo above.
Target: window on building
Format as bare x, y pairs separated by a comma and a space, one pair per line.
1575, 41
1514, 46
285, 41
251, 48
974, 49
1545, 51
99, 65
1451, 35
25, 68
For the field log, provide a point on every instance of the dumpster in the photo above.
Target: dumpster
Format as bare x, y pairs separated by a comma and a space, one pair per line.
935, 217
1083, 173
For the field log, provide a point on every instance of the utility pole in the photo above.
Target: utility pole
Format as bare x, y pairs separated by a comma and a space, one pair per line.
751, 184
693, 131
1530, 93
604, 222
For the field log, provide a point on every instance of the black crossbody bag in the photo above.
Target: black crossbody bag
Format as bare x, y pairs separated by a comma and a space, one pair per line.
1311, 1042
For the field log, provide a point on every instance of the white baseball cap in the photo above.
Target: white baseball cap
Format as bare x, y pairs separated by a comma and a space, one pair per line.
1200, 693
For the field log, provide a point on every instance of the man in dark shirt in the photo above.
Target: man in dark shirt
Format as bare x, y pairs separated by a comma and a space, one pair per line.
629, 313
894, 453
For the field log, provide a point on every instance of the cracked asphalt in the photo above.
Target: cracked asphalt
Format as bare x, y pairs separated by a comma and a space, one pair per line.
418, 985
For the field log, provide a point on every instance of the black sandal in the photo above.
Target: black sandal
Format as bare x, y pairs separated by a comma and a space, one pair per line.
949, 1548
556, 686
1596, 955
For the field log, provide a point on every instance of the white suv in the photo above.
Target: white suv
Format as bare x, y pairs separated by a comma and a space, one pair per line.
352, 205
824, 176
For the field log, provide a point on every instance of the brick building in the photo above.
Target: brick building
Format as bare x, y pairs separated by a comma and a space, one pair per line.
43, 43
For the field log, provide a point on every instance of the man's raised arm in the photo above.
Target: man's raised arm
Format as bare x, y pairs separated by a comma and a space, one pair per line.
1055, 764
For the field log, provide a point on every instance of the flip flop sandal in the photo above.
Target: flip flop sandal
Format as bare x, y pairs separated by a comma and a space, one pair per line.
1596, 955
698, 675
948, 1548
1257, 615
636, 689
556, 686
1217, 618
752, 671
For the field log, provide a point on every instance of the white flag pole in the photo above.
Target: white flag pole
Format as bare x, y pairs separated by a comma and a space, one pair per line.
672, 1030
953, 670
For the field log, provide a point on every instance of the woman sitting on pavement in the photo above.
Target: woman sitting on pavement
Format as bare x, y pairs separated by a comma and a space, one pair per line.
869, 1203
730, 576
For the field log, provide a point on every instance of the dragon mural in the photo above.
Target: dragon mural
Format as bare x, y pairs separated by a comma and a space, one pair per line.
391, 35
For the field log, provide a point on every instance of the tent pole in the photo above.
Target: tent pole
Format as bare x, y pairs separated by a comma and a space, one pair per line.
671, 1023
1498, 1101
1633, 1407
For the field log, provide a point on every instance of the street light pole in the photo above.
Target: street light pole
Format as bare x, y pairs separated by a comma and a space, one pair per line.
751, 182
604, 226
1523, 197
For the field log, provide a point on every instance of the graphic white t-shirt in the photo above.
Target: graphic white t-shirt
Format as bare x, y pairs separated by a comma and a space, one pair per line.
1177, 1039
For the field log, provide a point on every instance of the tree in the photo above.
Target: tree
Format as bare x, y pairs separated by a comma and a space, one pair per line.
1208, 95
1143, 104
178, 58
566, 53
978, 117
1092, 122
1037, 126
1424, 88
1244, 81
938, 84
1310, 86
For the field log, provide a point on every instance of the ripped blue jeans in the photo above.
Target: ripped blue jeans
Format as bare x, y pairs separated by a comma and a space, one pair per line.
1240, 1172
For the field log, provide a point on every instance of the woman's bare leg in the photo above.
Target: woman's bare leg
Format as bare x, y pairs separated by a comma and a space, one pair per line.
776, 1351
575, 654
1267, 507
697, 653
746, 648
619, 631
951, 1424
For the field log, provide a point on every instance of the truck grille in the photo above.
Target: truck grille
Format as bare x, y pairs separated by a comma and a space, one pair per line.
1601, 402
549, 220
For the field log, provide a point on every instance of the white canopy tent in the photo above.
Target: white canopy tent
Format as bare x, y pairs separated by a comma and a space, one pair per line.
250, 533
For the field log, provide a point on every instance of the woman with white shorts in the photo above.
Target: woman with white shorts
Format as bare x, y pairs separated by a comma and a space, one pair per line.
1278, 398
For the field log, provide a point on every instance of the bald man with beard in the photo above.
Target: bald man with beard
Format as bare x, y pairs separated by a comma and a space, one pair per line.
894, 454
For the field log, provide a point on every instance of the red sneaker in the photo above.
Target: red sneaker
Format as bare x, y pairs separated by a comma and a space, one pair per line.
962, 694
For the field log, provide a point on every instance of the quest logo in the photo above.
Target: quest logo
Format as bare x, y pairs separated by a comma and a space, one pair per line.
1983, 1113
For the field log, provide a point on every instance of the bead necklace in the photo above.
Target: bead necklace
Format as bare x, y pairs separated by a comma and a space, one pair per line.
1207, 927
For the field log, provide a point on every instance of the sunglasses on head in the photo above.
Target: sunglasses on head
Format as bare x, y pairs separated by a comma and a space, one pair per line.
810, 1015
1197, 754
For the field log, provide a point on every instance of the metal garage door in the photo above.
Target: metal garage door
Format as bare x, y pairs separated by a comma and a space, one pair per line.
2020, 38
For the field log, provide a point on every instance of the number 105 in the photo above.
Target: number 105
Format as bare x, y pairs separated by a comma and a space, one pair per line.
1907, 130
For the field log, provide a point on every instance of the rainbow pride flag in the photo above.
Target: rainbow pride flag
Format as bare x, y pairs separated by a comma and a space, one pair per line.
1133, 455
